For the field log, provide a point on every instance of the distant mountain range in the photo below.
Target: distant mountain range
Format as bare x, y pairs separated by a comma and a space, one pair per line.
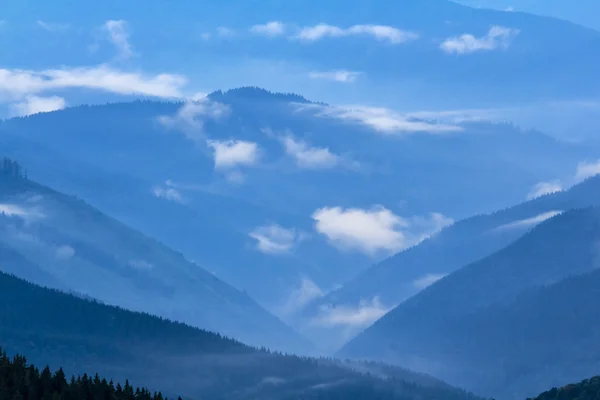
405, 274
49, 327
509, 325
255, 186
61, 242
581, 12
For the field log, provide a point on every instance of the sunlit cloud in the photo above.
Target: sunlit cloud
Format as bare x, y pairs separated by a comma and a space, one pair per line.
36, 104
528, 222
191, 116
52, 27
274, 239
18, 83
360, 316
378, 32
544, 188
377, 229
498, 37
427, 280
382, 120
233, 153
586, 170
119, 36
271, 29
341, 75
309, 157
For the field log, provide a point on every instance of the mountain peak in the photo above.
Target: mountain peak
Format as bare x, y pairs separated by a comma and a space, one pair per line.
256, 93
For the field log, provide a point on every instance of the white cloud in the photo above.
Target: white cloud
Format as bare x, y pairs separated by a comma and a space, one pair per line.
544, 188
118, 35
17, 83
272, 29
65, 252
224, 31
274, 239
587, 170
427, 280
374, 230
168, 193
52, 27
140, 265
191, 116
309, 157
14, 210
36, 104
498, 37
367, 312
300, 296
383, 120
232, 153
379, 32
528, 222
341, 75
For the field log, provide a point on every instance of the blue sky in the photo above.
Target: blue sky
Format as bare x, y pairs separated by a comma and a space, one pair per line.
70, 52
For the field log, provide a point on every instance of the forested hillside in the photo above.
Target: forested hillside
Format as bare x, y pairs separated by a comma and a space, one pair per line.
56, 240
20, 380
509, 325
81, 336
588, 389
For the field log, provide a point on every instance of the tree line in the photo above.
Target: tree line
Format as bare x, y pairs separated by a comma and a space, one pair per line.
22, 381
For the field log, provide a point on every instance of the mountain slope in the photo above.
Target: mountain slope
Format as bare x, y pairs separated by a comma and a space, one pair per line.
587, 389
407, 273
83, 336
164, 179
60, 241
485, 326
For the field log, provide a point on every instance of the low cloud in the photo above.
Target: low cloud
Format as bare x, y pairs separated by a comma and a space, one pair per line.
140, 265
382, 120
234, 153
274, 239
528, 222
225, 32
28, 214
302, 295
271, 29
18, 83
36, 104
52, 27
119, 37
65, 252
374, 230
168, 193
309, 157
498, 37
340, 75
191, 116
379, 32
361, 316
427, 280
586, 170
544, 188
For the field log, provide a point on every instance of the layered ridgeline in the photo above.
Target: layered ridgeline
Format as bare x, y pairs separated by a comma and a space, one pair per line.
82, 336
588, 389
61, 242
237, 181
405, 274
509, 325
